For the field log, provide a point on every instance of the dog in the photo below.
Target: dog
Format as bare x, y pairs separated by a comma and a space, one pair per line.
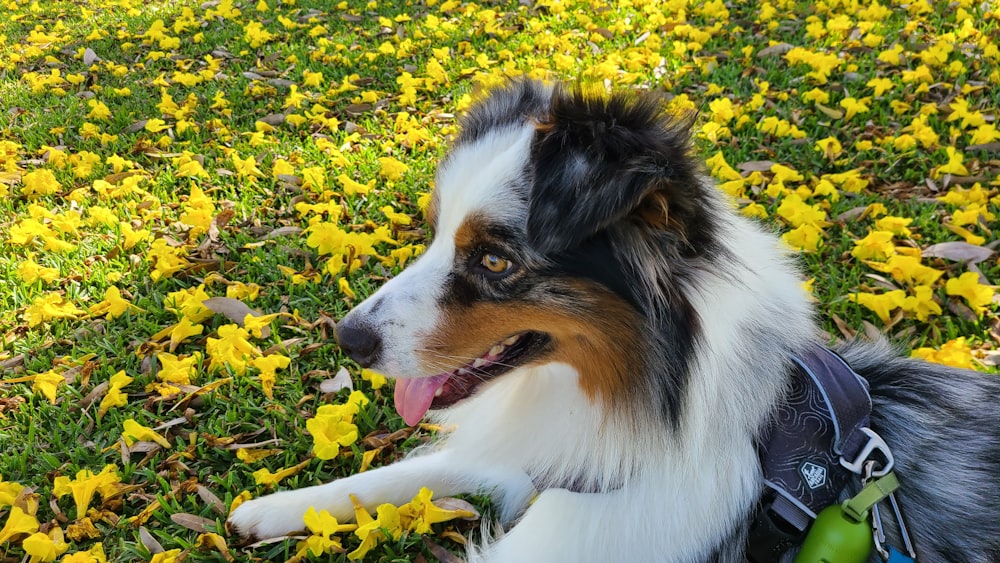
610, 343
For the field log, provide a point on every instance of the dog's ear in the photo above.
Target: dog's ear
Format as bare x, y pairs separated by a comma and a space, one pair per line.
600, 159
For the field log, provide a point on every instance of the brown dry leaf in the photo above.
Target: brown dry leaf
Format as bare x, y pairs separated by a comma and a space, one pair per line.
211, 500
829, 112
755, 165
958, 251
273, 119
443, 555
284, 345
282, 232
90, 57
358, 109
234, 310
149, 542
192, 522
853, 213
201, 391
340, 381
872, 332
775, 50
452, 503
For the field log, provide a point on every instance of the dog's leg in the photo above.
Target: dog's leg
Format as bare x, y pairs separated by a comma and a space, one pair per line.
561, 525
444, 473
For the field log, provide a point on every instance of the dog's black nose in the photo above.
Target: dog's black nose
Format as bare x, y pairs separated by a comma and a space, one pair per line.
359, 341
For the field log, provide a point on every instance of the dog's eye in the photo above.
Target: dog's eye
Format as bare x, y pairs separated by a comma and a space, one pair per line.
496, 264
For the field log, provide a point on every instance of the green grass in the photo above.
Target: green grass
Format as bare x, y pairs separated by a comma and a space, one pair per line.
359, 112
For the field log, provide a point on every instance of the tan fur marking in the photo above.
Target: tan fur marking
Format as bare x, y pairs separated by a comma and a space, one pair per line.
471, 235
597, 337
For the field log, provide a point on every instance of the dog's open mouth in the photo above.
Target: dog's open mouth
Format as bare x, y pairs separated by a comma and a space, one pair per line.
415, 396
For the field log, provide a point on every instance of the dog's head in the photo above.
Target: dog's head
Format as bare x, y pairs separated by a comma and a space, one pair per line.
564, 224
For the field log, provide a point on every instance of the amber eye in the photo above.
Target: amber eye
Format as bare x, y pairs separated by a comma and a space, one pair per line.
496, 264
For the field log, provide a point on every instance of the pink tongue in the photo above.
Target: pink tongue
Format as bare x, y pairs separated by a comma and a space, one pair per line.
414, 396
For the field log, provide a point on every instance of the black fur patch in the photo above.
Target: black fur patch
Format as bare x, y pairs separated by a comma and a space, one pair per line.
598, 157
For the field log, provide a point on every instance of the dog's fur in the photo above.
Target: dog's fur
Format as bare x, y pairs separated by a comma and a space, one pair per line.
657, 330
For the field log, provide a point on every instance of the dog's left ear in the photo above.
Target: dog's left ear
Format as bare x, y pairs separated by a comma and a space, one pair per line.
601, 159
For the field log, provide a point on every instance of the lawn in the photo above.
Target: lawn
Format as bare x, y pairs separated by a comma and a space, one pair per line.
193, 193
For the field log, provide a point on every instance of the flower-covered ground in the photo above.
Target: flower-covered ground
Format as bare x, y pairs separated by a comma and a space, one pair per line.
193, 192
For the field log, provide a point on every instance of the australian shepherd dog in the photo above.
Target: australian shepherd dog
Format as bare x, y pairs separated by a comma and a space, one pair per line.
607, 340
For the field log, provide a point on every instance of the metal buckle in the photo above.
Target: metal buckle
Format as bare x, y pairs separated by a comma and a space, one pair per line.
875, 443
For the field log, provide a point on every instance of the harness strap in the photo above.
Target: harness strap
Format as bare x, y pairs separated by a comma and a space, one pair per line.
823, 421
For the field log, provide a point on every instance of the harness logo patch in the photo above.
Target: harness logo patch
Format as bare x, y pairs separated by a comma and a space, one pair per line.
814, 475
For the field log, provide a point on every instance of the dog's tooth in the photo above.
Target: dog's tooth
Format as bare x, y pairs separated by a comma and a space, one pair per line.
463, 371
497, 349
480, 362
511, 340
439, 391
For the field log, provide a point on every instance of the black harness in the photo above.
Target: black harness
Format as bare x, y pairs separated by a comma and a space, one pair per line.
817, 442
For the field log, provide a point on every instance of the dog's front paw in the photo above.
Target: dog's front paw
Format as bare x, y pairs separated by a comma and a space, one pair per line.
267, 517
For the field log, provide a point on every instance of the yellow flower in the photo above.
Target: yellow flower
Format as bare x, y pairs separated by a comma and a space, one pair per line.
798, 212
372, 532
986, 133
47, 383
830, 147
877, 245
135, 432
182, 331
85, 485
921, 303
177, 370
48, 307
882, 304
954, 166
954, 353
854, 107
45, 547
30, 272
977, 295
189, 303
232, 349
351, 187
166, 556
391, 169
93, 555
243, 291
908, 270
960, 111
265, 477
333, 427
259, 325
98, 110
8, 492
18, 523
114, 396
805, 237
420, 513
268, 366
376, 379
323, 526
330, 433
895, 225
113, 304
39, 182
394, 217
880, 85
345, 288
